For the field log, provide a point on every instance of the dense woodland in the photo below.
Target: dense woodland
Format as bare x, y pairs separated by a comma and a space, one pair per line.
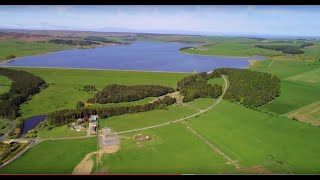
24, 85
73, 42
66, 116
284, 48
114, 93
197, 86
250, 88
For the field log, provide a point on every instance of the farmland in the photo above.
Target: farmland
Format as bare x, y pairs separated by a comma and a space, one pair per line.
5, 84
57, 157
65, 86
279, 137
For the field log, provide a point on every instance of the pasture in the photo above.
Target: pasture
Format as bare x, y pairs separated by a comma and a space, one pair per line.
309, 76
21, 48
309, 114
5, 84
252, 137
65, 86
173, 149
52, 157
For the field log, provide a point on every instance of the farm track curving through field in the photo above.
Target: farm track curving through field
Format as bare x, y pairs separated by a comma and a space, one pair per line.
34, 142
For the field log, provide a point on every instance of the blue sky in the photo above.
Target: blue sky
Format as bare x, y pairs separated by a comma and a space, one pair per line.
270, 20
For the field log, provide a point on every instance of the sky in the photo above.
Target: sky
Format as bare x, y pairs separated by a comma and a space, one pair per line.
182, 19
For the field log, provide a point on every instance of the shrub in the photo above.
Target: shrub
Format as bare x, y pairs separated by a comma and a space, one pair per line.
79, 104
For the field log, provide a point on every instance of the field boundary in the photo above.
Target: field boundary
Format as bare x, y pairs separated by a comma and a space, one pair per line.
303, 107
214, 148
282, 165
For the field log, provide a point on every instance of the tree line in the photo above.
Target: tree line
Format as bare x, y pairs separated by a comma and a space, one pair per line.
250, 88
284, 48
306, 45
196, 86
24, 85
73, 42
101, 39
62, 117
115, 93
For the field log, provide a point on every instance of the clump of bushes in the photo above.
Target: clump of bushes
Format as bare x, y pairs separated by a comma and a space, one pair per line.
11, 56
79, 104
89, 88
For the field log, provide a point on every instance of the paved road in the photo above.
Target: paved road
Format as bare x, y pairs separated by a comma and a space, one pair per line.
11, 129
185, 118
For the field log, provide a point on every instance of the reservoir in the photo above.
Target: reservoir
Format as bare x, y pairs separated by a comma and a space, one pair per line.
145, 56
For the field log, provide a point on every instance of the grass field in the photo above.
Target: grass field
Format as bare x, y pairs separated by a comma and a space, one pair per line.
173, 149
63, 91
232, 49
252, 137
285, 68
61, 131
218, 81
293, 96
27, 48
5, 84
201, 103
133, 103
309, 76
309, 114
144, 119
52, 157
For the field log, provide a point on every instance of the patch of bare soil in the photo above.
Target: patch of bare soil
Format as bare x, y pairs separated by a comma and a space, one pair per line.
257, 170
85, 166
108, 150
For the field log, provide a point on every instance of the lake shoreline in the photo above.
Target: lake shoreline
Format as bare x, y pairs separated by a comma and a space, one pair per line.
95, 69
73, 48
222, 55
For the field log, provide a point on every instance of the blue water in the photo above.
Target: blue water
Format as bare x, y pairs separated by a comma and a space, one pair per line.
31, 123
147, 56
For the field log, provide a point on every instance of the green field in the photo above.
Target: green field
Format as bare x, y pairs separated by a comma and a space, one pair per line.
173, 149
293, 96
201, 103
245, 135
231, 49
218, 81
5, 84
285, 68
21, 48
64, 84
299, 85
144, 119
252, 137
52, 157
309, 76
61, 131
309, 114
